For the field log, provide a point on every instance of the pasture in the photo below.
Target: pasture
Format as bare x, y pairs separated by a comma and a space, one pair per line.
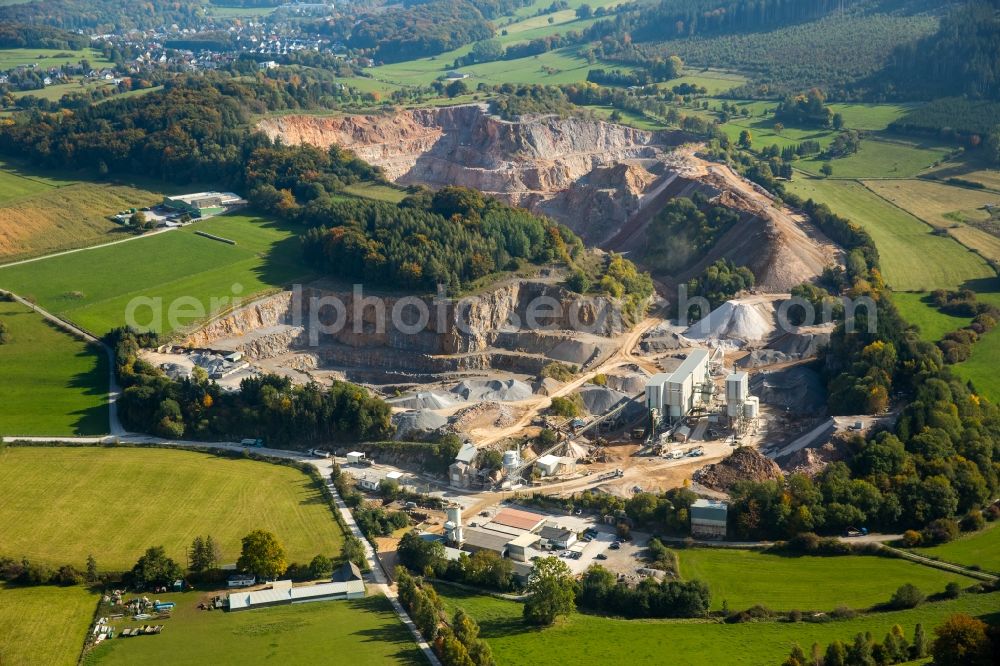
365, 632
45, 624
743, 578
596, 640
933, 324
903, 240
981, 368
46, 58
960, 210
881, 158
161, 268
50, 382
715, 81
61, 504
980, 549
37, 218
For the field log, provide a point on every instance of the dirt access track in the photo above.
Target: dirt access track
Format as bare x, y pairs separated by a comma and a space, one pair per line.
605, 181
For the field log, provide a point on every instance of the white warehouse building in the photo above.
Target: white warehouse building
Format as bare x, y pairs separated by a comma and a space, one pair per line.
677, 393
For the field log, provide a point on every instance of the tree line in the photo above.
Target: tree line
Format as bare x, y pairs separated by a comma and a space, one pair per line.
266, 406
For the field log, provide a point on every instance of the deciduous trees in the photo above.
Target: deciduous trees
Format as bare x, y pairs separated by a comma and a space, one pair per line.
262, 555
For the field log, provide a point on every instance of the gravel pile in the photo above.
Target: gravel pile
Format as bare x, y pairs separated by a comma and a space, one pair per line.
630, 384
799, 389
423, 400
417, 424
474, 390
745, 464
735, 321
598, 400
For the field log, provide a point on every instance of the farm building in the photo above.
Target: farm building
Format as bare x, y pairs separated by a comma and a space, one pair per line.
347, 583
241, 580
203, 204
369, 483
708, 519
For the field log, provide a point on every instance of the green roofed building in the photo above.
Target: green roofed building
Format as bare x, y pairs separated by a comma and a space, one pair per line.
203, 204
708, 519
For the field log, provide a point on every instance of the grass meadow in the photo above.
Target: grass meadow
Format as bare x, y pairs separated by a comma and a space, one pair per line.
50, 382
362, 632
743, 578
980, 549
64, 503
917, 309
44, 624
593, 640
94, 287
904, 242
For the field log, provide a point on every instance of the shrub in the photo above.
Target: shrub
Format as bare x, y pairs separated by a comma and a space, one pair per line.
941, 530
973, 521
564, 407
907, 596
952, 590
912, 538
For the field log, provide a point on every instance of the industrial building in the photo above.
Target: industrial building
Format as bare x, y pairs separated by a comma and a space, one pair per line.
708, 519
675, 394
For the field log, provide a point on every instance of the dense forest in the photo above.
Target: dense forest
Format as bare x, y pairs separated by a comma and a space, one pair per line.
832, 50
451, 237
101, 16
961, 58
19, 35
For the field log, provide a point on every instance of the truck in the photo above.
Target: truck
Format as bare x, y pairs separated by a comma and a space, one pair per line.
318, 453
638, 433
255, 443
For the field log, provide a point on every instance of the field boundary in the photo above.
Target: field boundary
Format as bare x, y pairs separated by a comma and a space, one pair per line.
989, 262
939, 564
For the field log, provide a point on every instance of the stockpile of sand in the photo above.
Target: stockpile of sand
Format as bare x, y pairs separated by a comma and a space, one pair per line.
497, 390
423, 400
416, 424
660, 339
546, 386
598, 400
737, 321
745, 464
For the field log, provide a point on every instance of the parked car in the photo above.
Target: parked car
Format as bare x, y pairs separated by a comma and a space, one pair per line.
600, 556
616, 545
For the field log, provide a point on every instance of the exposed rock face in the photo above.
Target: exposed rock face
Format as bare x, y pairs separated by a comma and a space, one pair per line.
587, 173
605, 181
518, 326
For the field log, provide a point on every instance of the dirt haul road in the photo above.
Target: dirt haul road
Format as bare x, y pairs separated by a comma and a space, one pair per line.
621, 357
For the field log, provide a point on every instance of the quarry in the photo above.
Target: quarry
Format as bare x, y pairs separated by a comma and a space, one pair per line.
587, 397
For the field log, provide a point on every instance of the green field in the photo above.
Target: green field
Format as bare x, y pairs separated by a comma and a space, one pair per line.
743, 578
375, 191
933, 324
61, 504
44, 625
564, 66
46, 58
903, 241
889, 158
50, 382
962, 211
598, 640
363, 632
715, 81
981, 368
981, 549
167, 266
